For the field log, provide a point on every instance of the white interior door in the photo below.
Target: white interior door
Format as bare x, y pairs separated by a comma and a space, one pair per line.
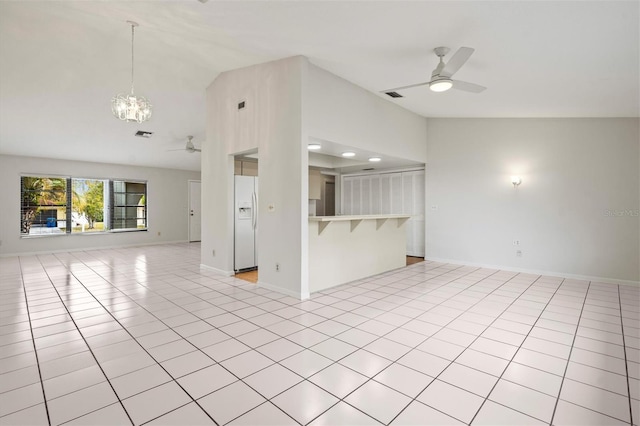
195, 211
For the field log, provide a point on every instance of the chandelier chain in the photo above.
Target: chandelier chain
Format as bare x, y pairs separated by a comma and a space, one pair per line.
132, 36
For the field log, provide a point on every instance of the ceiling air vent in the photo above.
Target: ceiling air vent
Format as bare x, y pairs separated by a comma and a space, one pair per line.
143, 134
394, 94
241, 105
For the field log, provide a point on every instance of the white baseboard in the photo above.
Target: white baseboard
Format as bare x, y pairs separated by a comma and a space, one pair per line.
109, 247
219, 271
536, 272
277, 289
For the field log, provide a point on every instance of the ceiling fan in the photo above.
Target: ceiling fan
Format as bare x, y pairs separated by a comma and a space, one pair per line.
189, 147
441, 76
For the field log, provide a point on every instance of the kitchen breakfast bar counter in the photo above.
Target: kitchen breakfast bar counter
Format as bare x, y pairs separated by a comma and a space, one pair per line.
348, 248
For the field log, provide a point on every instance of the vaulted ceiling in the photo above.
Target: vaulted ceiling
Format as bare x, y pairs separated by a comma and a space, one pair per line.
62, 62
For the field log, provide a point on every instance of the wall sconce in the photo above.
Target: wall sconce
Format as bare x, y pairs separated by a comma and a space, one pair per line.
516, 181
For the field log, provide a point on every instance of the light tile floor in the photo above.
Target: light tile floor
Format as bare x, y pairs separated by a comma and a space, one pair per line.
143, 335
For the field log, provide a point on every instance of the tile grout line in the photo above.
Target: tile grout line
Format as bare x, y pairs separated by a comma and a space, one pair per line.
139, 344
328, 337
392, 361
89, 348
514, 355
626, 363
441, 327
306, 379
187, 274
249, 319
33, 342
469, 346
564, 375
197, 348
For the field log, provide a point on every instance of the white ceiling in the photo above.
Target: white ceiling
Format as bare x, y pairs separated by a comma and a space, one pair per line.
62, 62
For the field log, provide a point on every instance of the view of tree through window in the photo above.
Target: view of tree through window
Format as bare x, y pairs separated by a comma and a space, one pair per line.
87, 208
43, 206
57, 205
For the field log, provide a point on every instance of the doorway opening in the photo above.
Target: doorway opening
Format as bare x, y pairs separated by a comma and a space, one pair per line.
414, 259
250, 276
245, 208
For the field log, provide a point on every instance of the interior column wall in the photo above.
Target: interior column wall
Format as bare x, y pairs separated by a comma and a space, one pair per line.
271, 123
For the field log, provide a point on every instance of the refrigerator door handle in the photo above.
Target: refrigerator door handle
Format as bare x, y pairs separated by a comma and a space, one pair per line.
254, 213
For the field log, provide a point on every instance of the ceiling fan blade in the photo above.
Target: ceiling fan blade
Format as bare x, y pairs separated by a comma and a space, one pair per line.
197, 150
467, 87
456, 61
406, 87
168, 150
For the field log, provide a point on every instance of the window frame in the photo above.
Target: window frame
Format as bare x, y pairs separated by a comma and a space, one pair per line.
112, 205
108, 205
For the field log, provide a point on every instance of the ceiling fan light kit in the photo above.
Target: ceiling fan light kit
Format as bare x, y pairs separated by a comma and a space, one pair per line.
129, 107
441, 80
441, 85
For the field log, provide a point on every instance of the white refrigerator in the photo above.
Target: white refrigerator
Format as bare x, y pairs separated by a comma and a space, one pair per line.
246, 222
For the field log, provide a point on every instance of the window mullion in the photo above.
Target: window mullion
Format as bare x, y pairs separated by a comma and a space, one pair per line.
69, 210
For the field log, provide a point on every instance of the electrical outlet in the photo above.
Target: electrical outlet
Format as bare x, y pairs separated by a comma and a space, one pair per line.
519, 253
159, 233
213, 252
277, 267
516, 242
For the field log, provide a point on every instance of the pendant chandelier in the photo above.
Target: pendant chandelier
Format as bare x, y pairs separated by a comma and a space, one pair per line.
129, 107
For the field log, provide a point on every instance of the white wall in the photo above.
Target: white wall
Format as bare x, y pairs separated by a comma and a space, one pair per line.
167, 192
341, 112
573, 172
271, 123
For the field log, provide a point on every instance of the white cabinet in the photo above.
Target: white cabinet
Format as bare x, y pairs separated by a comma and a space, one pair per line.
413, 203
389, 193
315, 185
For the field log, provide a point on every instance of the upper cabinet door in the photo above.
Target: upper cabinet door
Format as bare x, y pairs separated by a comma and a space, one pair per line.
315, 185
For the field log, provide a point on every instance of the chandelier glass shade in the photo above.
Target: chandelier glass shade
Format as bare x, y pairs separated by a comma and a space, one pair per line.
129, 107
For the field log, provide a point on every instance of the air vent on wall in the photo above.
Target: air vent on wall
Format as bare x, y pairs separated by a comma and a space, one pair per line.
394, 94
143, 134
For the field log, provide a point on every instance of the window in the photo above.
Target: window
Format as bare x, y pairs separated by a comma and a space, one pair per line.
59, 205
129, 206
43, 208
87, 205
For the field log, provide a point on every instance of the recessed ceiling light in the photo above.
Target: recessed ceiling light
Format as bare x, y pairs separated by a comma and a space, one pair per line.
348, 154
375, 159
314, 146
